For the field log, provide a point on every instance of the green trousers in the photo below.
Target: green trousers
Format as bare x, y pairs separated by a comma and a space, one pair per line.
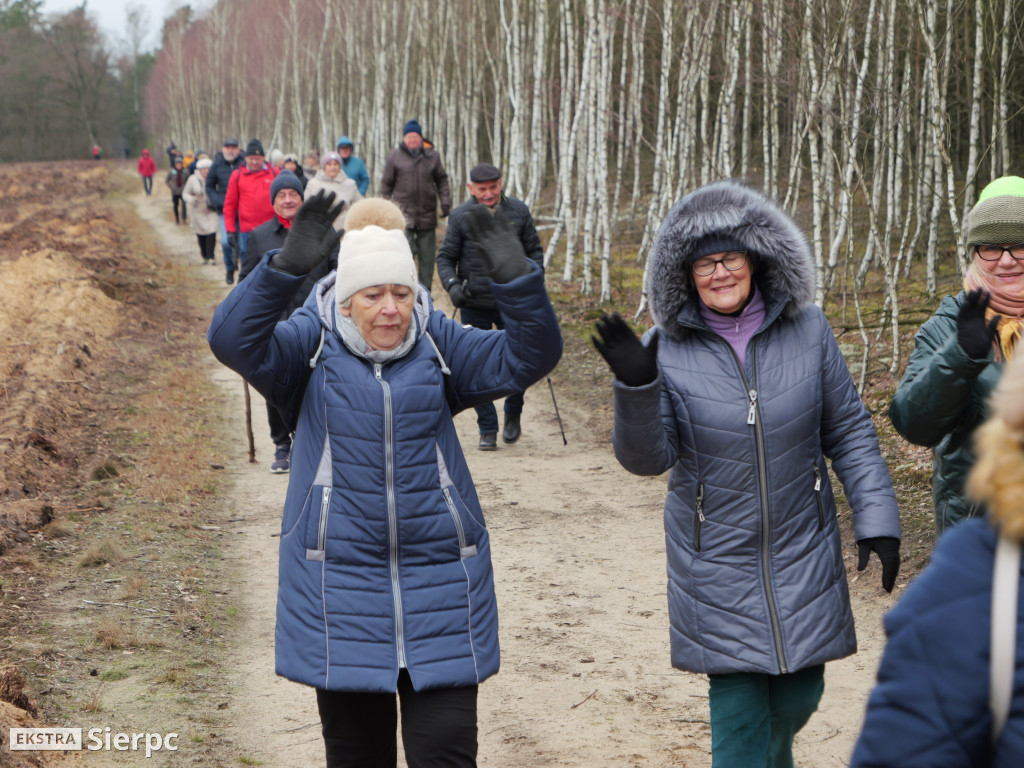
423, 243
754, 717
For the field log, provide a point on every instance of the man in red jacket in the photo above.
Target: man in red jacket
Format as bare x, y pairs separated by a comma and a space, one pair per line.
247, 201
147, 167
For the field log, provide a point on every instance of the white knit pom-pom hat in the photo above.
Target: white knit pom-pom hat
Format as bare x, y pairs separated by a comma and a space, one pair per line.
371, 254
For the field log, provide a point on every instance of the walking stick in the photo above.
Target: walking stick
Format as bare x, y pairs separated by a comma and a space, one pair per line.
248, 424
557, 414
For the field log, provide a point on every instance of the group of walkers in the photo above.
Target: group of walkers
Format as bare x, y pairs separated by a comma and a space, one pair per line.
739, 391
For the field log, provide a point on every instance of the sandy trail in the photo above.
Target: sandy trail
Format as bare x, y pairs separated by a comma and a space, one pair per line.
579, 563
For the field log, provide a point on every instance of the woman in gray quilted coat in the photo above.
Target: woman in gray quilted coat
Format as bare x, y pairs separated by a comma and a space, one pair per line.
741, 394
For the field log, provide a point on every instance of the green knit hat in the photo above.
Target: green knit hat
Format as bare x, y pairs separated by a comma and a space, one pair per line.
998, 216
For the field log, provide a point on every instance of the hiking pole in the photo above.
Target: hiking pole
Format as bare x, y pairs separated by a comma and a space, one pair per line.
557, 414
248, 424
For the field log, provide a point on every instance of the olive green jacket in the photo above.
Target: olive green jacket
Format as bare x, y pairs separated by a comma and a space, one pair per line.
942, 398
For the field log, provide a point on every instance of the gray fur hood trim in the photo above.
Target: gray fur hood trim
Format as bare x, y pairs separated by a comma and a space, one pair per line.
735, 210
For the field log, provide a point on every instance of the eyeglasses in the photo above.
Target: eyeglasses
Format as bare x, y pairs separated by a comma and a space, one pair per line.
995, 252
732, 261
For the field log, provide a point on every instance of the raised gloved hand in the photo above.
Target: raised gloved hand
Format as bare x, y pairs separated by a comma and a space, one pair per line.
972, 332
500, 250
312, 236
632, 363
458, 293
888, 550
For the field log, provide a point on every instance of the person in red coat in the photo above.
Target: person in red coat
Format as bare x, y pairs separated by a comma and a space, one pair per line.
247, 201
147, 167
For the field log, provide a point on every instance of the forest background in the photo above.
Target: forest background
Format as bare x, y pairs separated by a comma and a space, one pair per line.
875, 122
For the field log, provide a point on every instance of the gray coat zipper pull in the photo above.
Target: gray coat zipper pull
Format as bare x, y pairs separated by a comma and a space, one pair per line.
752, 413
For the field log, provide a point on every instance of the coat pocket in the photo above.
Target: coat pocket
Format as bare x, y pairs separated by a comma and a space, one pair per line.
698, 516
463, 532
316, 522
818, 499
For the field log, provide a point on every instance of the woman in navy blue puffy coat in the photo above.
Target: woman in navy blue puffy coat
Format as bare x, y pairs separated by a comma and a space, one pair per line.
385, 574
930, 707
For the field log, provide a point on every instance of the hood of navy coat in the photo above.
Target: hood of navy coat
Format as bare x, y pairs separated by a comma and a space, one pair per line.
734, 210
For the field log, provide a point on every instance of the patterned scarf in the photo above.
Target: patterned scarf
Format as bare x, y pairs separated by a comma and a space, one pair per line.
1009, 305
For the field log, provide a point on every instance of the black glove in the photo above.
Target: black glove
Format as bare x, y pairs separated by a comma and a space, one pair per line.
458, 293
632, 363
500, 250
236, 246
972, 332
888, 550
312, 236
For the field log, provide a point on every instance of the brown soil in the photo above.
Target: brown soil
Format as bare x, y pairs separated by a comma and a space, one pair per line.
138, 558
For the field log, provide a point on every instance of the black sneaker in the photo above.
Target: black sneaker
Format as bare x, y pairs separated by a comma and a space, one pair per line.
488, 441
281, 464
230, 279
512, 430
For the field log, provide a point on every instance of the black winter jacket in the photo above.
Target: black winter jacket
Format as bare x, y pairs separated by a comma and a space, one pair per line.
458, 260
270, 236
217, 179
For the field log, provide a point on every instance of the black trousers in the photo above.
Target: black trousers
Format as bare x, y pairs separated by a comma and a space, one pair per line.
176, 200
487, 414
438, 727
207, 246
279, 431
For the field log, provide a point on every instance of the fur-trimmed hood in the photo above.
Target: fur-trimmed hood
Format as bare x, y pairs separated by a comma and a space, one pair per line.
730, 209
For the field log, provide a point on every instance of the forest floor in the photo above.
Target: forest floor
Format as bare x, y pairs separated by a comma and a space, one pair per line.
138, 543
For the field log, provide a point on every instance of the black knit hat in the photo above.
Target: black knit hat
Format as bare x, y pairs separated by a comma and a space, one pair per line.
484, 172
285, 180
254, 147
714, 243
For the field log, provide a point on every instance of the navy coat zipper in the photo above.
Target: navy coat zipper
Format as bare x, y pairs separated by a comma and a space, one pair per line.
389, 458
754, 418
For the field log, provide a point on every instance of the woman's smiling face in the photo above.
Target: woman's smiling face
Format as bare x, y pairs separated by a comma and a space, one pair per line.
723, 290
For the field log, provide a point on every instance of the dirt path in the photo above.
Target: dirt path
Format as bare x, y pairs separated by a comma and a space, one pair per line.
580, 572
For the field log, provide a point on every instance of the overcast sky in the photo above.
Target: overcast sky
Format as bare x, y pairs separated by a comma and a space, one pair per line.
110, 16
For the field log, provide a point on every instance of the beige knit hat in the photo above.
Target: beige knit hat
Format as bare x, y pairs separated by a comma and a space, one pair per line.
374, 250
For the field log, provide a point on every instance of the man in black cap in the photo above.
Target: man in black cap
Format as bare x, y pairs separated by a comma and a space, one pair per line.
224, 164
463, 275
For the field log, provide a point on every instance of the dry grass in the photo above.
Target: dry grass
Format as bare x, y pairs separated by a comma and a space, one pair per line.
176, 675
104, 552
95, 702
116, 632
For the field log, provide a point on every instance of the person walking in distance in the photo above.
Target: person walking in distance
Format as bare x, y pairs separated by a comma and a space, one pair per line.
286, 197
331, 178
415, 179
385, 586
226, 162
175, 181
204, 218
247, 201
959, 353
462, 274
147, 169
353, 166
291, 163
742, 394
